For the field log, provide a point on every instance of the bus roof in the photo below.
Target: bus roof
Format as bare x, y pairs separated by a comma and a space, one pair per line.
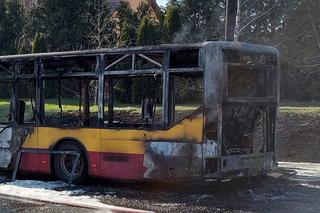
227, 45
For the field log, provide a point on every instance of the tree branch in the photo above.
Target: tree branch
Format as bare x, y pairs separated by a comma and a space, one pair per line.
316, 33
260, 16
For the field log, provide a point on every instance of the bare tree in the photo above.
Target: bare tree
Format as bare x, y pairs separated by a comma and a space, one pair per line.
255, 17
103, 26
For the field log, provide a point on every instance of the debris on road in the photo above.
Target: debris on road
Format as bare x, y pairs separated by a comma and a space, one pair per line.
291, 189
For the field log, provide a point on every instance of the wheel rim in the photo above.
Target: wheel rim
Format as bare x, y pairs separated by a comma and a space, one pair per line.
66, 162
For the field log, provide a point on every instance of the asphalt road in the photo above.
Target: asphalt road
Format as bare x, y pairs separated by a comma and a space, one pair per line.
293, 188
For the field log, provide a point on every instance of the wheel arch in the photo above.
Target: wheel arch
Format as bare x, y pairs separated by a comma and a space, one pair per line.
68, 139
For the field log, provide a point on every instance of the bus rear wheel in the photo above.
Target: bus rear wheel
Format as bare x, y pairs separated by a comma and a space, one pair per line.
63, 163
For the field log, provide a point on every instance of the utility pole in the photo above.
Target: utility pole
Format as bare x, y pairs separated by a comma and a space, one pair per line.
232, 20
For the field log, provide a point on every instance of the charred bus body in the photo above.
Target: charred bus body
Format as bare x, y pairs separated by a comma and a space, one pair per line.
230, 134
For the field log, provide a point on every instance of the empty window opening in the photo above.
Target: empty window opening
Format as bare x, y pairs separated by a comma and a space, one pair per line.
249, 58
69, 64
134, 101
187, 92
71, 102
244, 82
25, 109
184, 58
248, 129
5, 102
138, 61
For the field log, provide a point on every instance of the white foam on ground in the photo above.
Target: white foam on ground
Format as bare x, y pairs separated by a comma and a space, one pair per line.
51, 192
307, 172
310, 186
45, 191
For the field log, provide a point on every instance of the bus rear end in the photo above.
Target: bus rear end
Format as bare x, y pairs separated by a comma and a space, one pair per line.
242, 105
233, 133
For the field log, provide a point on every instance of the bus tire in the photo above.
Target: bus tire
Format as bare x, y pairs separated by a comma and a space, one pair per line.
63, 163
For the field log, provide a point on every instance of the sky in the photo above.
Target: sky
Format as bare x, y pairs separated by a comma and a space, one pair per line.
162, 2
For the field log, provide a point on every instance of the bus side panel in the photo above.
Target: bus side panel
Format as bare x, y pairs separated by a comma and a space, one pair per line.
124, 151
189, 130
113, 153
48, 137
121, 166
167, 160
35, 163
122, 154
121, 159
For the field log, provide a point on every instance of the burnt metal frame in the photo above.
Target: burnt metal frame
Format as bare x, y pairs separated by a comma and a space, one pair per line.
102, 69
216, 91
214, 69
103, 73
213, 64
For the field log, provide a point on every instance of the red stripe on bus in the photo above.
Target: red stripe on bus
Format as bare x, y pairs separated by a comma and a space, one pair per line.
39, 163
104, 165
119, 166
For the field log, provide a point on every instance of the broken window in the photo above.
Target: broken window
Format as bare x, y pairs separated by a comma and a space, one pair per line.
133, 101
26, 101
71, 102
24, 109
70, 91
250, 74
244, 82
188, 94
5, 98
248, 128
184, 58
138, 61
249, 58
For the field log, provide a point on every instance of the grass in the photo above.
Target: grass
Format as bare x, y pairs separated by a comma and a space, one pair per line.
71, 105
300, 107
4, 109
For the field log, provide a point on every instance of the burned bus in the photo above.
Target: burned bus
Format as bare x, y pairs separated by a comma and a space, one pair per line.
66, 115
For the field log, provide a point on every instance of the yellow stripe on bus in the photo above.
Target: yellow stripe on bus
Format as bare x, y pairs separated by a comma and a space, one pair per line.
123, 147
116, 140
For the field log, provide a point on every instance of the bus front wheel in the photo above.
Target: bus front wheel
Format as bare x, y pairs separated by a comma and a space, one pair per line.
63, 163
